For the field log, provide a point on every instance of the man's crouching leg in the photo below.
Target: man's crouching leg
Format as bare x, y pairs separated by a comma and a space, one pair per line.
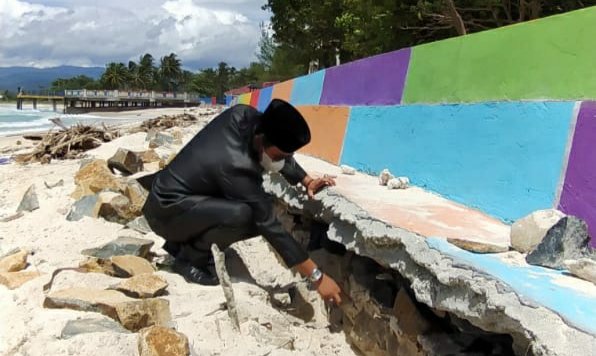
195, 261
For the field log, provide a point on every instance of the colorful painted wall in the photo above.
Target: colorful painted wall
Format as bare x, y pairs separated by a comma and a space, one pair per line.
500, 120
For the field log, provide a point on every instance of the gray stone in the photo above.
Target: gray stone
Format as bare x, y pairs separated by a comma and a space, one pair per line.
29, 201
567, 240
478, 247
116, 208
583, 268
133, 314
123, 245
161, 341
88, 325
125, 161
140, 224
157, 139
86, 206
527, 232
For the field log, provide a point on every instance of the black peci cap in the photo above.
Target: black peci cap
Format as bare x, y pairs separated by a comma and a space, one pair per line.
284, 126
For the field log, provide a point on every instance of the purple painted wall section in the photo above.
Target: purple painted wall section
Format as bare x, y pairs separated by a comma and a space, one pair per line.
578, 197
377, 80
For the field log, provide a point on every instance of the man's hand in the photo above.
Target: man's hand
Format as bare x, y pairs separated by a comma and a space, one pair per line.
317, 184
329, 290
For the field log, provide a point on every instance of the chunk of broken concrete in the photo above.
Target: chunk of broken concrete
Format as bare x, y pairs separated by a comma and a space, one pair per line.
93, 178
133, 314
128, 266
385, 176
125, 161
584, 268
89, 325
148, 156
347, 170
13, 280
140, 224
137, 195
161, 341
567, 240
398, 183
86, 206
147, 285
123, 245
527, 232
166, 160
116, 208
29, 201
478, 247
14, 261
160, 139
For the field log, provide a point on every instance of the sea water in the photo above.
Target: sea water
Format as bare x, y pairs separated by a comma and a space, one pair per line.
15, 122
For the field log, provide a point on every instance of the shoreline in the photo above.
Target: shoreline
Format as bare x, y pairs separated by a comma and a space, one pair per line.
135, 118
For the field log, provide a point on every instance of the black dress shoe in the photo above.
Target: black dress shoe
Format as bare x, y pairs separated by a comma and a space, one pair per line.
192, 274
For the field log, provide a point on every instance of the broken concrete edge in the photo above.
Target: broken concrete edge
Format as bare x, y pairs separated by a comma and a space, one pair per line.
437, 279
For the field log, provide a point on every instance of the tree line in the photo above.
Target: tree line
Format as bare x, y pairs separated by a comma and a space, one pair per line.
309, 35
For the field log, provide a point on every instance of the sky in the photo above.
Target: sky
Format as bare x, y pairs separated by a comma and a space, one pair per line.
47, 33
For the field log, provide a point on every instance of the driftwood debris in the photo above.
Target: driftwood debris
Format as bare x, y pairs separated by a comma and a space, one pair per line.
66, 144
167, 121
226, 283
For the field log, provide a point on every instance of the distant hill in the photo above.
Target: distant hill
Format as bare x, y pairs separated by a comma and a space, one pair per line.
31, 78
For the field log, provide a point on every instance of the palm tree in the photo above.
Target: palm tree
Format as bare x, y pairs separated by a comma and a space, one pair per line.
185, 80
169, 71
147, 70
115, 76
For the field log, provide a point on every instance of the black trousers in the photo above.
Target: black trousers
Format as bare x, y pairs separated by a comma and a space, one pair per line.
204, 221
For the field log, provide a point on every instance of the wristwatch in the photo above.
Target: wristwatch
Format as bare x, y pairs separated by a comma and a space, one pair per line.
316, 275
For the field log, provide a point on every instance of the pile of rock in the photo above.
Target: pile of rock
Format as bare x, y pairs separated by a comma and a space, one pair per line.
134, 304
552, 239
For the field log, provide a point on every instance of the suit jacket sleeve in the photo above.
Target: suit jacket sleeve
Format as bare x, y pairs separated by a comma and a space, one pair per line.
247, 187
292, 171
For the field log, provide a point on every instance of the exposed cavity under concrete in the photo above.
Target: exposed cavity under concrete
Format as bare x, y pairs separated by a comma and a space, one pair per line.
439, 279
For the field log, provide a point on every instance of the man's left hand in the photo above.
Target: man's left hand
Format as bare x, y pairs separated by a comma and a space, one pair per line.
318, 183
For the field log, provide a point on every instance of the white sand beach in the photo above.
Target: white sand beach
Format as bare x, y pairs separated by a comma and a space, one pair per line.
28, 328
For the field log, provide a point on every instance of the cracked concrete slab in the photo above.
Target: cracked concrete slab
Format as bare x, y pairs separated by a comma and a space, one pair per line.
545, 314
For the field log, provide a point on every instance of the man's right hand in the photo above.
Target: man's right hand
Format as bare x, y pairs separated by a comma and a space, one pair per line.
329, 290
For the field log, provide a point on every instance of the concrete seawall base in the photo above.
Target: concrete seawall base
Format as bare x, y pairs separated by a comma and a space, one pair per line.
543, 311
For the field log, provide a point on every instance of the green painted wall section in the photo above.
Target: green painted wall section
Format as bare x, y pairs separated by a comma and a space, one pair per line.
553, 58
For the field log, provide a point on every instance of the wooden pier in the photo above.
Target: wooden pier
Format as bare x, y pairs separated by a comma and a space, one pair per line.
84, 100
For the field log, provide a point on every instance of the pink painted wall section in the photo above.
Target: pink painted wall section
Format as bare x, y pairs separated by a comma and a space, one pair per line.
377, 80
578, 197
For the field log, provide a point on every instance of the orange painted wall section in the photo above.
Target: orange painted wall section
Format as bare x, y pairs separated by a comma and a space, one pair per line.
283, 90
254, 98
327, 128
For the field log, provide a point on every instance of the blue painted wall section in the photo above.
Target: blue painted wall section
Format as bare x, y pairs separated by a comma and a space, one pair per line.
535, 283
503, 158
264, 98
307, 89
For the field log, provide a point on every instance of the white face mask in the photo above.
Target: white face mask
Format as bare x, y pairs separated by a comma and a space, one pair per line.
270, 165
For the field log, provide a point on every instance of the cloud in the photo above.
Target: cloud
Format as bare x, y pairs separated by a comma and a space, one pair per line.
95, 32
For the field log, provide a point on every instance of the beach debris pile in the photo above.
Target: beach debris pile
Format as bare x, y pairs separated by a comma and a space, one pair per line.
69, 143
167, 122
